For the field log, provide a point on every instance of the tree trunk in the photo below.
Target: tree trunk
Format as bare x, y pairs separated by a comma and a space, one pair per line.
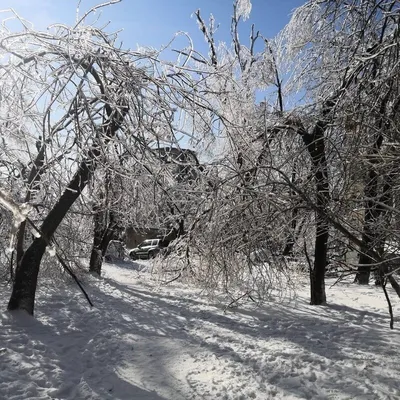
291, 238
371, 214
96, 256
24, 289
315, 143
368, 235
104, 231
386, 199
104, 226
33, 185
317, 276
370, 218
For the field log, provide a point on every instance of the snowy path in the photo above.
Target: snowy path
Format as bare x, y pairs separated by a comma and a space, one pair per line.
146, 342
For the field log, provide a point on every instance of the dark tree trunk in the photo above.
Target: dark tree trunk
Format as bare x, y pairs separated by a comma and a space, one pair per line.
104, 232
386, 199
24, 289
181, 229
371, 191
315, 143
371, 214
33, 184
96, 260
96, 256
291, 238
317, 276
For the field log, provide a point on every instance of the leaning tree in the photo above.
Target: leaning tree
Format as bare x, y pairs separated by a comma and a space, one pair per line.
69, 95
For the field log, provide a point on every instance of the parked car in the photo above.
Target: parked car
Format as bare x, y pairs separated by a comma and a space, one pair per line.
149, 248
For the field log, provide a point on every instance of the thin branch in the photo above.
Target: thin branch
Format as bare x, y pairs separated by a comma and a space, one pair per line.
93, 9
208, 34
389, 305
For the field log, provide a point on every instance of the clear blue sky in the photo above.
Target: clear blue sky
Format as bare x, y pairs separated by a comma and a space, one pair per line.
154, 22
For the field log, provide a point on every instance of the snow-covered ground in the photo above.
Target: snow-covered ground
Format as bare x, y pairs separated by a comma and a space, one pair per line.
142, 341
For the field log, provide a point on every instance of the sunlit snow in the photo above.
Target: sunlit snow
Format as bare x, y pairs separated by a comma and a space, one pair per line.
143, 341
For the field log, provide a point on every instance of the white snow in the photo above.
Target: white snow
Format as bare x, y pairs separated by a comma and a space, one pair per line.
145, 341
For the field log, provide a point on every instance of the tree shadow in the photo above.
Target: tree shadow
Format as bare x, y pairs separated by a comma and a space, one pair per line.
323, 338
63, 357
124, 346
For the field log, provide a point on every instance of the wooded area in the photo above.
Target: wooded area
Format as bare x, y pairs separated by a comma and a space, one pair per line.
285, 146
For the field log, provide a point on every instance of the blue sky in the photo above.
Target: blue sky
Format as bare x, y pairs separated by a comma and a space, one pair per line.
154, 22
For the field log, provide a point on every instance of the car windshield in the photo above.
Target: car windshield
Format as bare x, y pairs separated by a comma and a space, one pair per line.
146, 243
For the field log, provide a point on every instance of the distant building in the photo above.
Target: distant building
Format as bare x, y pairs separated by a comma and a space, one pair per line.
185, 161
183, 168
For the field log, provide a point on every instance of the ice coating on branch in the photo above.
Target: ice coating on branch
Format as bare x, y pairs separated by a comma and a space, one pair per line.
303, 28
24, 210
243, 9
35, 233
20, 212
51, 250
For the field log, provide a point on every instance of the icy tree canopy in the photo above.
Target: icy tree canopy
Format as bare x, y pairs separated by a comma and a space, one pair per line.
243, 9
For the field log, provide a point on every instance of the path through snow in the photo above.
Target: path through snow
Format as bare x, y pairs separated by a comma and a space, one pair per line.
142, 341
